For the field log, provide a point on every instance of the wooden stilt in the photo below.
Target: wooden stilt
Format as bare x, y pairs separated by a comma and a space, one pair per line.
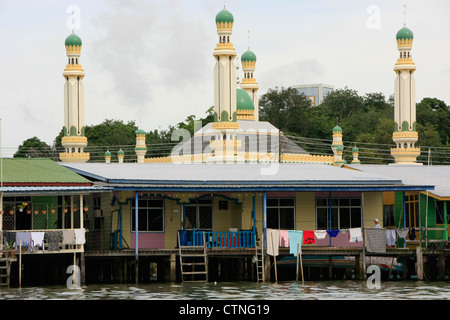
275, 260
419, 263
20, 264
299, 254
173, 267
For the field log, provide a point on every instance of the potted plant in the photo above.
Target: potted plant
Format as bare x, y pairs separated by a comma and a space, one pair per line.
10, 250
22, 206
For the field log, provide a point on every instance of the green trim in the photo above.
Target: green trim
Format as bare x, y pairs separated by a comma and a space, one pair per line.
224, 116
405, 126
140, 148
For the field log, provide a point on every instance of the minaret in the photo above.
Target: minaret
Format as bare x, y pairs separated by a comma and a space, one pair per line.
405, 134
249, 83
355, 153
225, 74
74, 139
141, 148
337, 146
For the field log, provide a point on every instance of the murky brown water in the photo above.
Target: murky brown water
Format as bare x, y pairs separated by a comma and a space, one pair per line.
322, 290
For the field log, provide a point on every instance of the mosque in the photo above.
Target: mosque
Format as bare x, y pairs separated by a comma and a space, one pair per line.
152, 203
237, 135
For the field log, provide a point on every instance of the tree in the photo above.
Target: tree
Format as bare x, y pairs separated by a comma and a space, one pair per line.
35, 148
286, 109
342, 103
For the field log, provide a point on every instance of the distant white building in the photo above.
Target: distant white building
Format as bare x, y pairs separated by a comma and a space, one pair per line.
315, 92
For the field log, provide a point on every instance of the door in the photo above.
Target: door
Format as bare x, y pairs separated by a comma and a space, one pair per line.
199, 214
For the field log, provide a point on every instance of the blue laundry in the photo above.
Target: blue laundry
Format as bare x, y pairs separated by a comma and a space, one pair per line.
295, 238
333, 233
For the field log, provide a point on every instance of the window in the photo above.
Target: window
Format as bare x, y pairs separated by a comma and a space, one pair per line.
345, 213
412, 210
199, 214
150, 215
440, 212
388, 215
281, 213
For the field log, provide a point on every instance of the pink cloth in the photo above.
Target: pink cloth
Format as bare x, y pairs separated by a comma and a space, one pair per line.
284, 238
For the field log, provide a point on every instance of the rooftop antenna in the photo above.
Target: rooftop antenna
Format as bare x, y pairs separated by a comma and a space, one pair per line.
404, 15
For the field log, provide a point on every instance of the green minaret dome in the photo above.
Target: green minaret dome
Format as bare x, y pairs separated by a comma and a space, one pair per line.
337, 128
248, 56
224, 16
73, 40
243, 100
404, 33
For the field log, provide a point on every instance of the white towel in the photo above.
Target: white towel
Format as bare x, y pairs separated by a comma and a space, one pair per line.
320, 234
273, 241
68, 236
38, 238
355, 235
391, 237
80, 236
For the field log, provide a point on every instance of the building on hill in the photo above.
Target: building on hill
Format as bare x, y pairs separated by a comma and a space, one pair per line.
316, 93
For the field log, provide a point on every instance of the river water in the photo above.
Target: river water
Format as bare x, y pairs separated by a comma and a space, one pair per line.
291, 290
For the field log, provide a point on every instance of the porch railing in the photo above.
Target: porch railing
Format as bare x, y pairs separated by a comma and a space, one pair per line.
222, 239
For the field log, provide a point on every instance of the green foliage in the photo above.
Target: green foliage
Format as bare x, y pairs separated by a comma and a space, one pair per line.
34, 148
286, 109
366, 121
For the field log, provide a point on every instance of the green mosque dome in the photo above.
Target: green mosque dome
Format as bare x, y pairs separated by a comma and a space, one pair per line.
355, 149
224, 16
248, 56
73, 40
243, 100
140, 131
337, 128
121, 152
404, 33
107, 153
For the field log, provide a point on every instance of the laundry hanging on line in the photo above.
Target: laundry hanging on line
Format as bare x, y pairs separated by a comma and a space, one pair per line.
333, 233
273, 241
284, 238
391, 237
295, 241
308, 237
355, 235
320, 234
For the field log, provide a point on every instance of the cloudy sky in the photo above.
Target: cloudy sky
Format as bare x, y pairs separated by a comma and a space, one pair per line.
151, 60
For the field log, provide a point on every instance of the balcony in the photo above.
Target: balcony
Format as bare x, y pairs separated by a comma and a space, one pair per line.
218, 239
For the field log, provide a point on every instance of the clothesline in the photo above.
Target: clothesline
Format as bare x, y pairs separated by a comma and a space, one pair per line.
377, 238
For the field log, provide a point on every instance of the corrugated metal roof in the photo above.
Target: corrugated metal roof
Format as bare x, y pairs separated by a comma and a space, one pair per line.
37, 171
282, 175
437, 176
58, 190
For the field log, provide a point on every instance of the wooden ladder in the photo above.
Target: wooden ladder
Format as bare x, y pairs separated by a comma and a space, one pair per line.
5, 272
193, 262
259, 254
